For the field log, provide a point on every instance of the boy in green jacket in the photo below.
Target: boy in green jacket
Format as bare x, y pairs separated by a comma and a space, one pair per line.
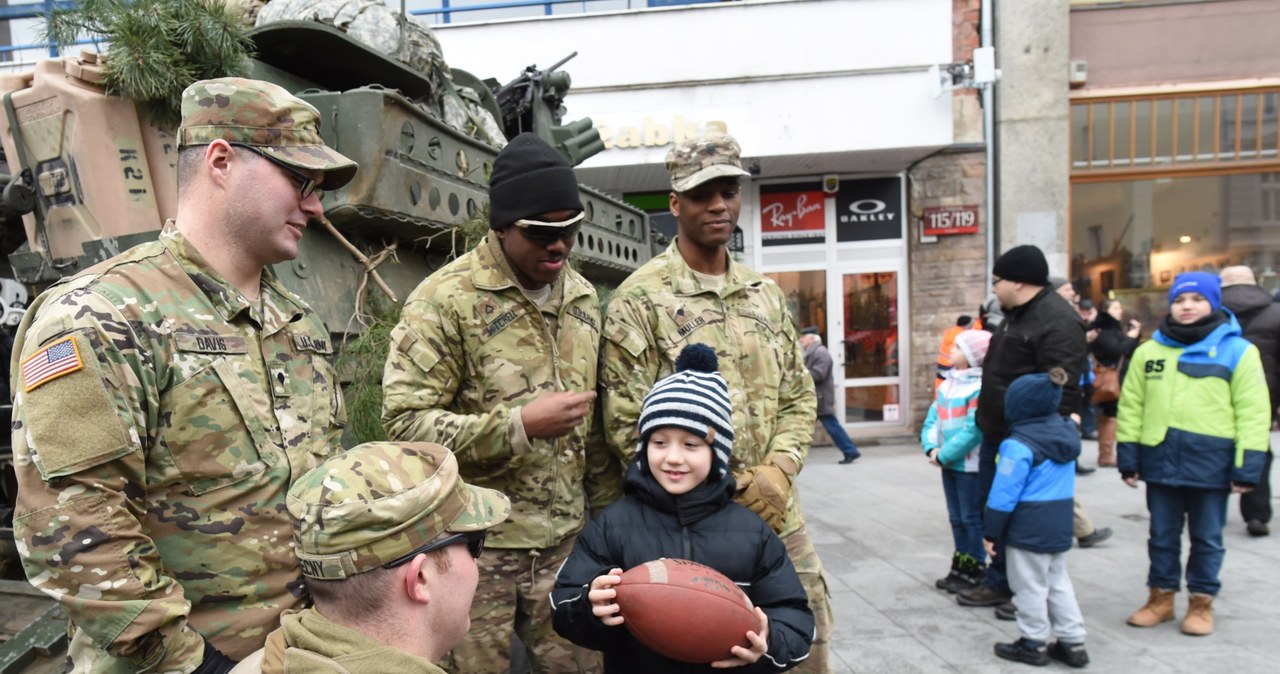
1194, 425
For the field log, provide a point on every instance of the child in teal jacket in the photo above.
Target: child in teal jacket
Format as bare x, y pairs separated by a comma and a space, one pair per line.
1194, 424
950, 438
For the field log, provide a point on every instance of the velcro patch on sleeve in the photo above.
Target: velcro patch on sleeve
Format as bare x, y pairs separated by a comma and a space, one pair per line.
58, 359
98, 432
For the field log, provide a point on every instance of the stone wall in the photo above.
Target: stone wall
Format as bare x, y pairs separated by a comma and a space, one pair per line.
948, 277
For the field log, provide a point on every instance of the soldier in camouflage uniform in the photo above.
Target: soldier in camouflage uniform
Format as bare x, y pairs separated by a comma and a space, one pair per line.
495, 356
387, 536
168, 397
694, 292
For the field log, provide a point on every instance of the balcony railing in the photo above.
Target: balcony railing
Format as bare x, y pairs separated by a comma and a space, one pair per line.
26, 52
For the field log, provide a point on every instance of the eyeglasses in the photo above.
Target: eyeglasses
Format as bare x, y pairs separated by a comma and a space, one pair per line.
307, 185
473, 539
546, 233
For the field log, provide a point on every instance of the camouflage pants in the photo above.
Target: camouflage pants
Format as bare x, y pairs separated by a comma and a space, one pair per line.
805, 558
514, 594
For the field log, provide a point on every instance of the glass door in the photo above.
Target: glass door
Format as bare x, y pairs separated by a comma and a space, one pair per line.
868, 302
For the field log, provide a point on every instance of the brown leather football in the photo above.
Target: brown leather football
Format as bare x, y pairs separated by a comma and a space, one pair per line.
685, 610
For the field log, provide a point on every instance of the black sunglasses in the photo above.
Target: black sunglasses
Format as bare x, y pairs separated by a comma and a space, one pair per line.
545, 236
473, 539
543, 233
307, 185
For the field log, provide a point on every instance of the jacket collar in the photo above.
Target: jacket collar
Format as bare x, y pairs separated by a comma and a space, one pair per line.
1022, 309
279, 306
684, 283
1208, 345
688, 508
346, 649
491, 271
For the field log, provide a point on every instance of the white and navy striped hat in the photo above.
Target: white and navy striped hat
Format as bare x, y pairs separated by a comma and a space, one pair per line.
695, 399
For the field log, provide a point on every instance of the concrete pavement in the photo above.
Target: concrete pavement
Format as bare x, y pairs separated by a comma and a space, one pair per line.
880, 526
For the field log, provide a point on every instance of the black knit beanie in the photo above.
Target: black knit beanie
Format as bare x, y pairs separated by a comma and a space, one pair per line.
1024, 264
696, 399
530, 178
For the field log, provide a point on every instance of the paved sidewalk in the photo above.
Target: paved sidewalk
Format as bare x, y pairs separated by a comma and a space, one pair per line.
881, 528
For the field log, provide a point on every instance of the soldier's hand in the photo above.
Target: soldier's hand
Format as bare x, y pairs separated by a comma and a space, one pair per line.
764, 490
554, 414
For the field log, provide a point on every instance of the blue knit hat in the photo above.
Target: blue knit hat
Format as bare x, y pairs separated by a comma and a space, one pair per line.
1208, 285
696, 399
1034, 395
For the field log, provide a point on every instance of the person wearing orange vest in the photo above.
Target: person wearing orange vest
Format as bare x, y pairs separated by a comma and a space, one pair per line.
948, 342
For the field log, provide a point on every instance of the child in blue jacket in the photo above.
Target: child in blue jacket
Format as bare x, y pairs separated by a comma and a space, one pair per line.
950, 438
1194, 424
1030, 509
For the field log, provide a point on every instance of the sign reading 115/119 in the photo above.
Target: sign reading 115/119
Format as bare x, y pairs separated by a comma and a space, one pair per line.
945, 220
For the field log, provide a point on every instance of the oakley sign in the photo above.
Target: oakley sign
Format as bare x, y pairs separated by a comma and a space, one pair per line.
869, 210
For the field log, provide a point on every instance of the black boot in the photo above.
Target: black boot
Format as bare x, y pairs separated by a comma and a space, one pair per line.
972, 571
1024, 650
952, 582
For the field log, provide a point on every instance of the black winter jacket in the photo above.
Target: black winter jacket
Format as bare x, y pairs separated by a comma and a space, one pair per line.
1112, 343
1042, 334
1260, 324
703, 526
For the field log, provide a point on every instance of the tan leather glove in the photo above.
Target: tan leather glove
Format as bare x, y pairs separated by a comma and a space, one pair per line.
764, 490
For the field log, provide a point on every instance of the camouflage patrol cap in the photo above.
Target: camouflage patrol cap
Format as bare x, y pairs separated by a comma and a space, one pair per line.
697, 160
382, 500
264, 115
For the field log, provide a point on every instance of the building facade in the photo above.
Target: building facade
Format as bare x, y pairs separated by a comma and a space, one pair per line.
1174, 163
852, 144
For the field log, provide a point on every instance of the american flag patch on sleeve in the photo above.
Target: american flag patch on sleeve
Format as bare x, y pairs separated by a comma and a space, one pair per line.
53, 361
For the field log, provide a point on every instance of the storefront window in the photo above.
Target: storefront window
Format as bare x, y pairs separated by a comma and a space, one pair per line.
1129, 239
806, 293
1143, 133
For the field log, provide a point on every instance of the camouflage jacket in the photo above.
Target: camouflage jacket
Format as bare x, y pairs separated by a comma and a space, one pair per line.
158, 422
662, 307
470, 350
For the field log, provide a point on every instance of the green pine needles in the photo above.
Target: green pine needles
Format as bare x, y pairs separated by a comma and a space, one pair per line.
157, 47
360, 363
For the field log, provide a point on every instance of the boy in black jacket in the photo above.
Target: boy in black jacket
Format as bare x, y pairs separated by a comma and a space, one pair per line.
679, 504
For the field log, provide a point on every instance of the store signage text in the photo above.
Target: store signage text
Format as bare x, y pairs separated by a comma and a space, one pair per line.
868, 210
654, 134
779, 215
792, 217
944, 220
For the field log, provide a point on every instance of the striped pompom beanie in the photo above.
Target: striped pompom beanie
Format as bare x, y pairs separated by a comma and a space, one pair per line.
695, 399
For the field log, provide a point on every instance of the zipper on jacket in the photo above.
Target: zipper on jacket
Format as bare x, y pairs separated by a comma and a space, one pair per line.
686, 548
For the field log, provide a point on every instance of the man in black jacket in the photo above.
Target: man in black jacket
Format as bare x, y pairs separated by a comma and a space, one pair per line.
1040, 331
1260, 322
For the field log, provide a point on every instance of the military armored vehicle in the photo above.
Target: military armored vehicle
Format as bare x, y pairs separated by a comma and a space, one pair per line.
89, 176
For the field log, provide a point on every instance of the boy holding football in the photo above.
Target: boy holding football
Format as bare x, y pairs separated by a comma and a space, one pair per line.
679, 504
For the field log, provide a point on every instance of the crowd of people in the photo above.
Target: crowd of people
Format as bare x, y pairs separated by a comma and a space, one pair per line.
202, 515
1188, 412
